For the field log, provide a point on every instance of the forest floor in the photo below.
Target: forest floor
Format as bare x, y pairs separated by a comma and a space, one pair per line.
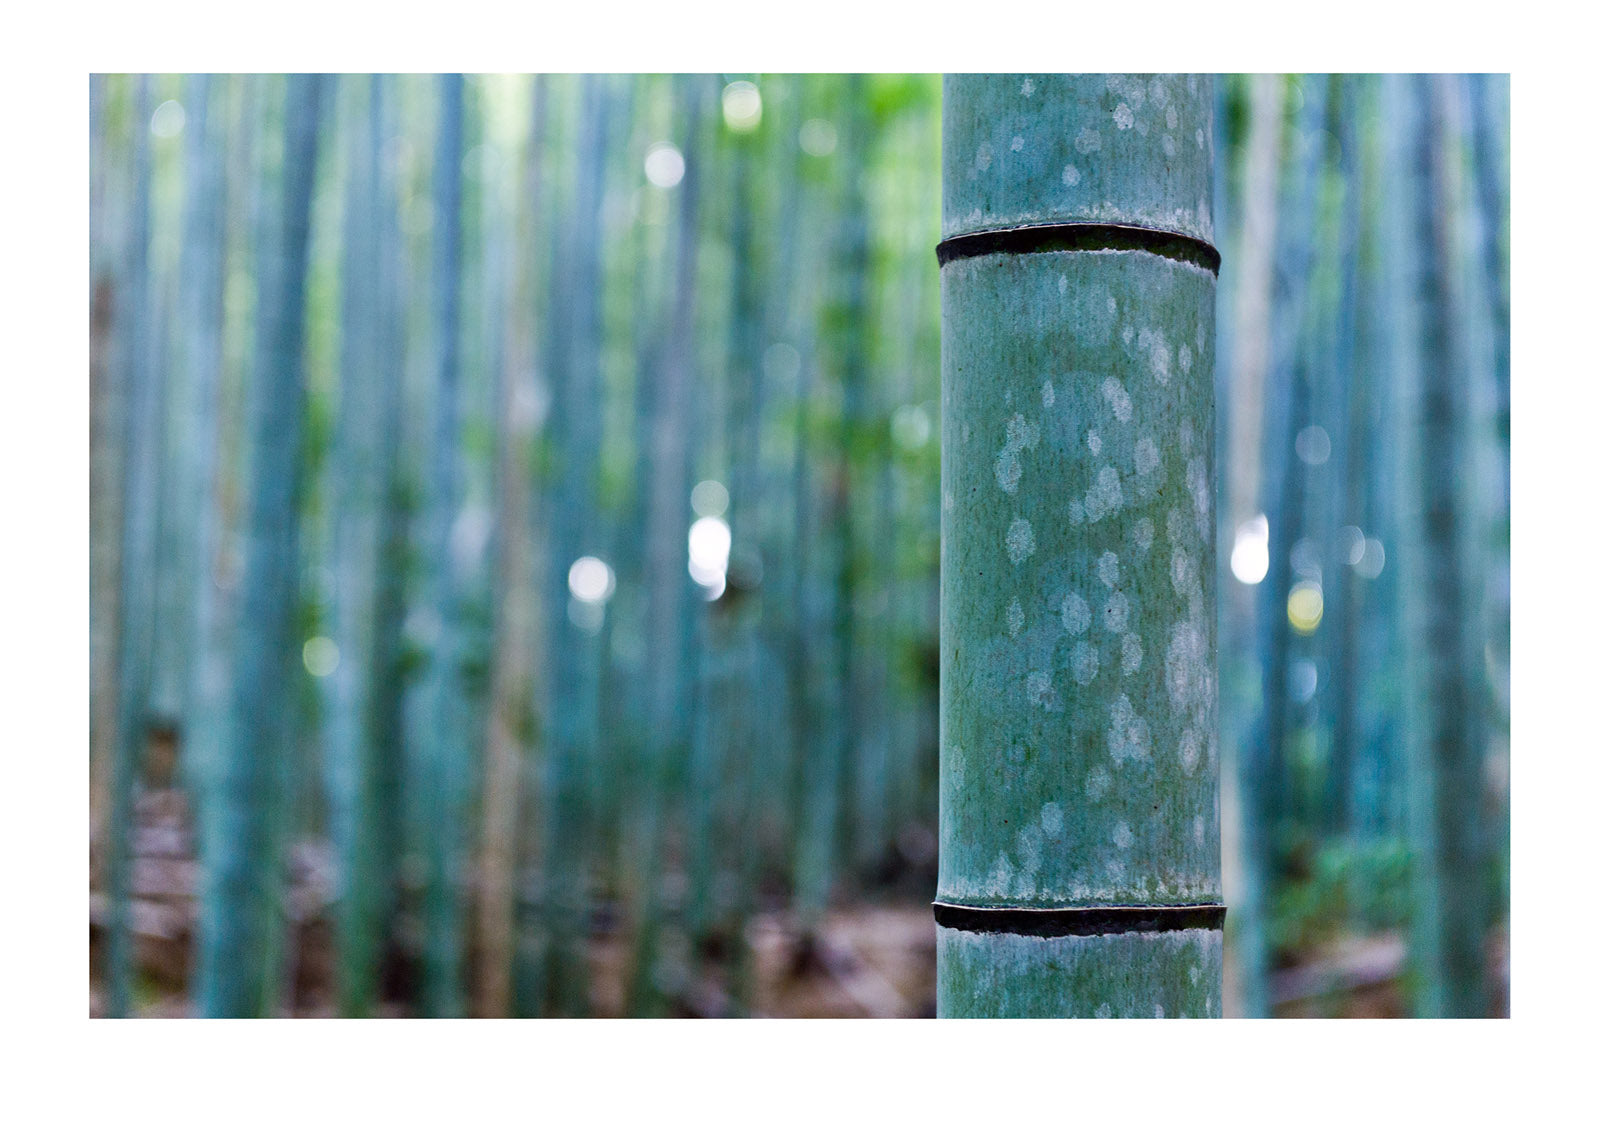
864, 959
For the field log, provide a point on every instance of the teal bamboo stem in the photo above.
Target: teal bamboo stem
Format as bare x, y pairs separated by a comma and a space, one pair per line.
443, 721
141, 448
829, 767
1443, 609
240, 915
105, 396
510, 694
1078, 742
575, 432
1263, 771
365, 451
668, 612
206, 664
528, 973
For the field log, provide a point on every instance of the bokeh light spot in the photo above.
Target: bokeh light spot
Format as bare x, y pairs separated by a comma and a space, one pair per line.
663, 165
741, 106
1249, 560
320, 656
1305, 607
168, 119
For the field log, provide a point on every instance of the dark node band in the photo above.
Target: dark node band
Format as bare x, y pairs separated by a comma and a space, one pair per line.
1054, 922
1081, 237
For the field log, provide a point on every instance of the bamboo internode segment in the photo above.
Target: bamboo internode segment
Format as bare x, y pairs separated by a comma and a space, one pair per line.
1060, 149
1078, 701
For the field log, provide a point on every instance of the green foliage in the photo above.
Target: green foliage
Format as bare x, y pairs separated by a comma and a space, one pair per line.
1337, 884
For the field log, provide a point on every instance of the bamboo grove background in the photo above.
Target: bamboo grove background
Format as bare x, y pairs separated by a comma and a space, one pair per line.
515, 539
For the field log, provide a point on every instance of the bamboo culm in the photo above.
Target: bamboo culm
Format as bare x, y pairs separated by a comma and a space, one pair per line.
1078, 826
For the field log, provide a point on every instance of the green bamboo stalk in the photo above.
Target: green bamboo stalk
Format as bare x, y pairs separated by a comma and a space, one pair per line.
668, 611
1078, 617
442, 719
844, 335
510, 698
573, 656
213, 192
1263, 769
1443, 612
141, 447
240, 916
104, 457
1351, 383
364, 467
527, 989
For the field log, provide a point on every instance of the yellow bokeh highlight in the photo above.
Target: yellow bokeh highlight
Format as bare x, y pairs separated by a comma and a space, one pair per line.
1305, 607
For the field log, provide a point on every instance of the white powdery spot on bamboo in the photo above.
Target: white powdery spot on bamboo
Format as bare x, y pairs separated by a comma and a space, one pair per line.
1070, 176
985, 156
1075, 512
1185, 357
1121, 403
1007, 471
1189, 750
1088, 141
1144, 533
1108, 568
1199, 139
1047, 395
1132, 653
1097, 784
1093, 441
1122, 116
1039, 691
1172, 117
1122, 835
1030, 850
1014, 617
1020, 433
1051, 818
1105, 497
1199, 489
1153, 343
1075, 614
1129, 735
1168, 145
1019, 540
1027, 88
1115, 613
1146, 456
1180, 573
1016, 144
1085, 662
1103, 1011
1186, 665
1000, 878
1200, 831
